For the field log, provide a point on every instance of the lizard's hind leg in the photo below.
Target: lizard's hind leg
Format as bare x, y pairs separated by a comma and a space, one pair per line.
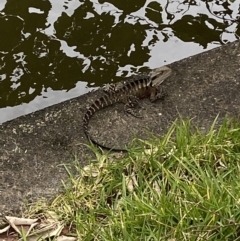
131, 105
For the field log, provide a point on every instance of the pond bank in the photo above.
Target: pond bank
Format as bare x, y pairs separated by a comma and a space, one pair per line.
34, 146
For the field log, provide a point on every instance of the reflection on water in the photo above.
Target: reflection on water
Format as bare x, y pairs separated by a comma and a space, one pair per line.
47, 98
59, 47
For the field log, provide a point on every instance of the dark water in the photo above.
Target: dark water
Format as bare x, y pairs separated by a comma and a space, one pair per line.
53, 50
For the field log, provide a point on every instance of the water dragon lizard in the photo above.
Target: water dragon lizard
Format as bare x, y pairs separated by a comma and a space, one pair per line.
128, 92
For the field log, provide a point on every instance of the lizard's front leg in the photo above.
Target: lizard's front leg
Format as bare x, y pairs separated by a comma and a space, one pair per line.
157, 93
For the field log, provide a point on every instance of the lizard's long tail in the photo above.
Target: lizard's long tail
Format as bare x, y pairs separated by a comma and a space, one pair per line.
101, 103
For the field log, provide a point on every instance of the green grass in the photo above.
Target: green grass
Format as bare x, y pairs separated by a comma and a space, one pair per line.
186, 186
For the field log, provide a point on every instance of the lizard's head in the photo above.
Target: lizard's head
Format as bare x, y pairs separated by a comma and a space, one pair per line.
158, 75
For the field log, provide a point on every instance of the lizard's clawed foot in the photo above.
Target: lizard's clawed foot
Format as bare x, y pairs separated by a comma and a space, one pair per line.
133, 112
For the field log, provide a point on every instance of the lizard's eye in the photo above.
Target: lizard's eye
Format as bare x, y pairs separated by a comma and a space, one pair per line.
154, 77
